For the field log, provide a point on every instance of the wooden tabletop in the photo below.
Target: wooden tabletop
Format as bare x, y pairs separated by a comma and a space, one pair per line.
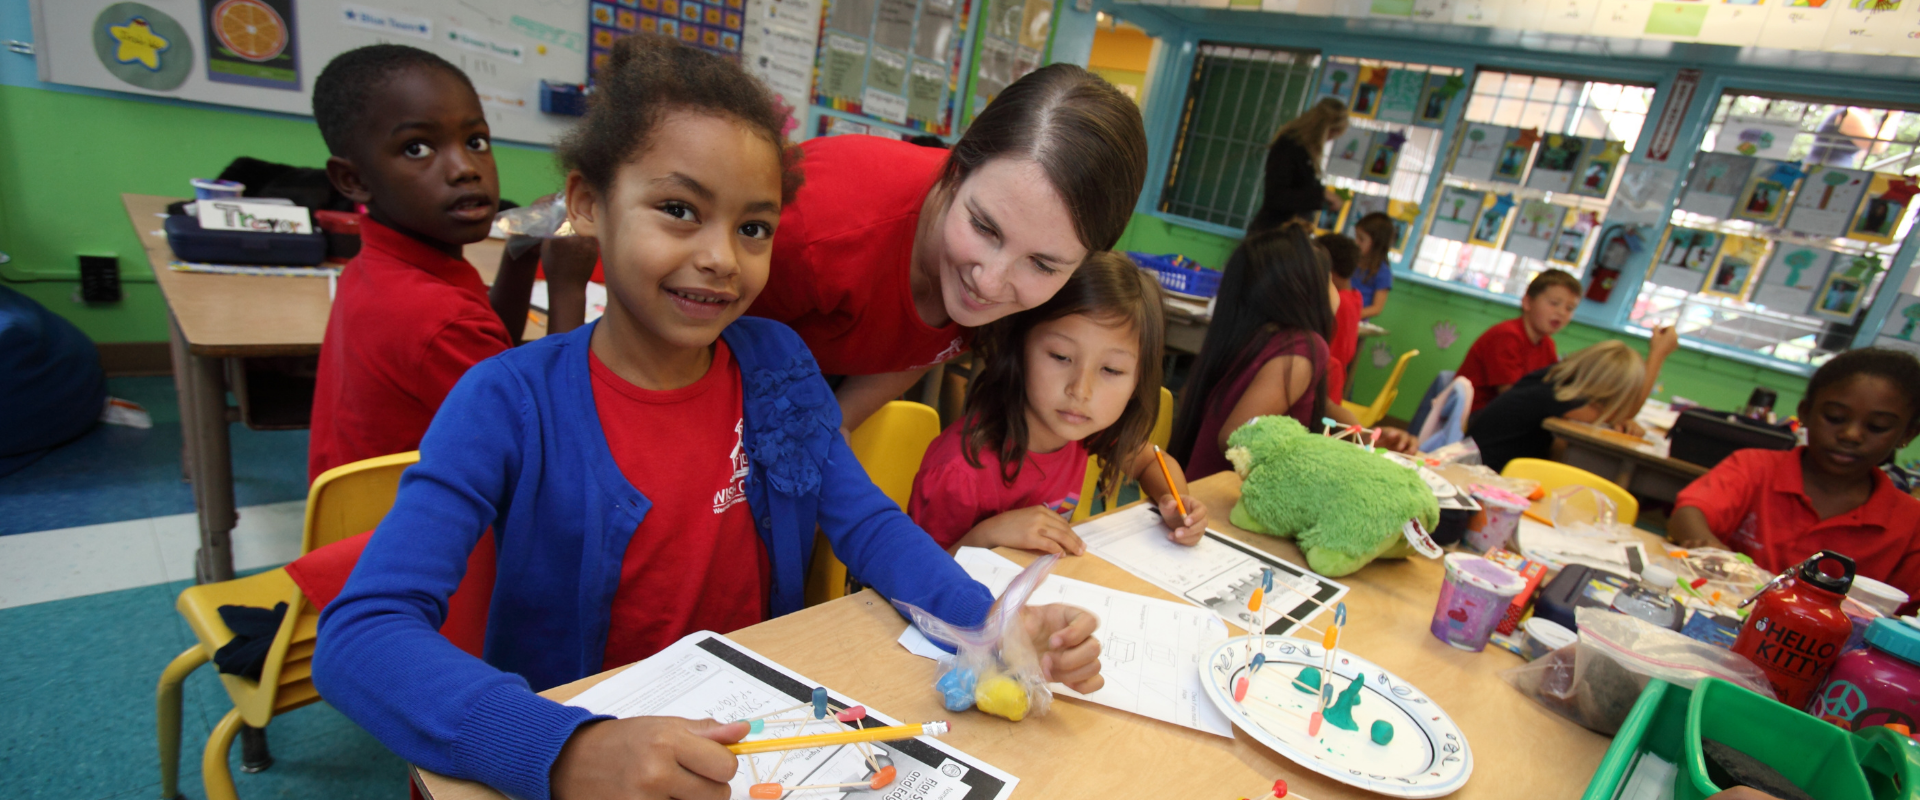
1621, 444
1082, 750
251, 315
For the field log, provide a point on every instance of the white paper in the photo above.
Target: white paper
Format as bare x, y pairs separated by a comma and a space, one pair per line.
1753, 136
1150, 650
1553, 165
1715, 184
707, 675
1348, 152
596, 299
1453, 218
1642, 196
1556, 548
252, 217
1827, 199
1902, 323
1218, 573
1478, 156
1534, 228
1793, 274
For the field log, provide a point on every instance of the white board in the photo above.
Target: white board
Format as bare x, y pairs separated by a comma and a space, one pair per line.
505, 47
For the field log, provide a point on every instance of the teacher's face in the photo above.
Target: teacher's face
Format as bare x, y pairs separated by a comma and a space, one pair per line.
1006, 244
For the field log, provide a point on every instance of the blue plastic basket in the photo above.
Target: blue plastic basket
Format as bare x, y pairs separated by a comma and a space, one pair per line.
1178, 273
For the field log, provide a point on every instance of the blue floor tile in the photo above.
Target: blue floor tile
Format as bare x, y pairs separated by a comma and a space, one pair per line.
115, 473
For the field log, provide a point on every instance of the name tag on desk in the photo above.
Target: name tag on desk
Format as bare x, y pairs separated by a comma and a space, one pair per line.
251, 217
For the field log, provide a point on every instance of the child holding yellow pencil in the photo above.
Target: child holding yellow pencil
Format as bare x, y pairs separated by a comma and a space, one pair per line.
1076, 376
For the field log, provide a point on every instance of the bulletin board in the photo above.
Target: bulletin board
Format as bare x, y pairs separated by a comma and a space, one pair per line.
1012, 42
265, 54
892, 60
710, 25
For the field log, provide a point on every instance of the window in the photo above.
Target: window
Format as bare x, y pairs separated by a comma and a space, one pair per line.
1542, 224
1800, 198
1400, 196
1237, 99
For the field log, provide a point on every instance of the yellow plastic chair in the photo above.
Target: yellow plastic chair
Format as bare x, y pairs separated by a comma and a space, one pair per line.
1162, 434
1162, 424
889, 445
343, 501
1372, 413
1553, 475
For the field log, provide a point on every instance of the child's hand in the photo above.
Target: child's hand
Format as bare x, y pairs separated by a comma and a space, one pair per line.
1192, 525
647, 757
1031, 528
1063, 638
1665, 340
1399, 441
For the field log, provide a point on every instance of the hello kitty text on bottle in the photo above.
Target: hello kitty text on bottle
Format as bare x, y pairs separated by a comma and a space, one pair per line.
1796, 630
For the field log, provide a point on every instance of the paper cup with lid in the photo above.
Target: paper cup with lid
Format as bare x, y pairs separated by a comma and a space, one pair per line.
1473, 599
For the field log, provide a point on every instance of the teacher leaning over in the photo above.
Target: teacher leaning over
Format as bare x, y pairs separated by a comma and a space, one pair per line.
891, 253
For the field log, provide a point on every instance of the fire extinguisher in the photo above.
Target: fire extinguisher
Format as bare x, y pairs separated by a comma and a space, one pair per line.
1617, 243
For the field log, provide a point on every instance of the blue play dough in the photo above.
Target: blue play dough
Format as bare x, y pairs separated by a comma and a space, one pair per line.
957, 687
1382, 731
756, 726
820, 702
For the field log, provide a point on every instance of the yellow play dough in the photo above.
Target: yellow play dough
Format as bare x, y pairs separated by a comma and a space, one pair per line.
1002, 697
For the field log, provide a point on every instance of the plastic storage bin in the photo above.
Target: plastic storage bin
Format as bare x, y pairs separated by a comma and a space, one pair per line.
1178, 273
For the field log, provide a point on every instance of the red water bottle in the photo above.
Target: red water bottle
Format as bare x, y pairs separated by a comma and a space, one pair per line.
1796, 629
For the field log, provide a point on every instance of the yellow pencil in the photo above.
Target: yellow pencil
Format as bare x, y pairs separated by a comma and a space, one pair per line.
886, 734
1177, 502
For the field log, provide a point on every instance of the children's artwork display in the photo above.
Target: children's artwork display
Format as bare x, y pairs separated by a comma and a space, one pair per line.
1841, 295
1511, 164
1367, 92
1337, 79
1011, 41
1403, 214
1740, 257
1491, 220
1683, 258
1436, 98
712, 26
1458, 210
1716, 184
1793, 274
1594, 176
1400, 97
1571, 241
890, 60
1383, 154
1827, 199
1362, 205
1480, 149
1902, 325
1764, 198
1349, 152
1554, 164
778, 46
1880, 216
1535, 229
1754, 136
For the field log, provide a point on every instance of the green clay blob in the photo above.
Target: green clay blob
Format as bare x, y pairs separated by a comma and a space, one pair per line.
1340, 711
1309, 681
1382, 731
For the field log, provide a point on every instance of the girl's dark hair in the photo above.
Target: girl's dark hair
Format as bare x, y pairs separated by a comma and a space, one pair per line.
1898, 367
1110, 289
1274, 281
1379, 228
648, 76
1085, 135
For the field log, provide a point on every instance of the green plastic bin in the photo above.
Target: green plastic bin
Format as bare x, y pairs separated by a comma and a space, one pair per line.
1828, 762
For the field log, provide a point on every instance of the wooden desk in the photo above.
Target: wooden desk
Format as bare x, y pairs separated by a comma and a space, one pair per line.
1633, 463
214, 323
1187, 331
1082, 750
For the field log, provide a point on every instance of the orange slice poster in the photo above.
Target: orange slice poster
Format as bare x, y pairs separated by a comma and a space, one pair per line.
252, 43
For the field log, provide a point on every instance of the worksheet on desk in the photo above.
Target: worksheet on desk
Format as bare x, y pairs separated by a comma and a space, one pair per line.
707, 675
1151, 650
1218, 573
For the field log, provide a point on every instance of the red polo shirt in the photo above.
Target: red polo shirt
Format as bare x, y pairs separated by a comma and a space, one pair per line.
407, 322
843, 255
1502, 356
1756, 502
1345, 344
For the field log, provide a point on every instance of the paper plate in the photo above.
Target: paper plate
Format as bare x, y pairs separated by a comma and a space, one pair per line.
1427, 757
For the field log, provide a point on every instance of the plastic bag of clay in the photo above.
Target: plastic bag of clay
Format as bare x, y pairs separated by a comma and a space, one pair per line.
544, 218
1728, 577
994, 665
1596, 680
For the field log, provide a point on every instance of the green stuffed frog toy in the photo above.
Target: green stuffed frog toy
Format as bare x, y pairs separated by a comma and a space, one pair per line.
1342, 504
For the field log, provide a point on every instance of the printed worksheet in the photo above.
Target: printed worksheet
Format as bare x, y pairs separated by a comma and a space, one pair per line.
1150, 649
707, 675
1218, 574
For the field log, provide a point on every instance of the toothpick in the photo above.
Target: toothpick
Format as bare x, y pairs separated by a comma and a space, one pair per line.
808, 704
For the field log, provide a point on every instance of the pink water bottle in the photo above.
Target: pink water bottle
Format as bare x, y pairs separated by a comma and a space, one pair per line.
1878, 685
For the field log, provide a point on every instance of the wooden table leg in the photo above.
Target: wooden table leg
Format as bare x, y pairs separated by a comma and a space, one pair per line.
203, 424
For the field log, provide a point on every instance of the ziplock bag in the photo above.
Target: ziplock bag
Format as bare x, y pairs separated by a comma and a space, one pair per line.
994, 665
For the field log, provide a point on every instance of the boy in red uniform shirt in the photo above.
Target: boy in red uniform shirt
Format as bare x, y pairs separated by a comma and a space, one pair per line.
1343, 256
1780, 506
410, 144
1511, 349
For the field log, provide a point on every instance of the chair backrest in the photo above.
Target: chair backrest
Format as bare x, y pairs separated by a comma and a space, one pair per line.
350, 499
1439, 385
891, 443
1383, 402
1163, 423
1553, 475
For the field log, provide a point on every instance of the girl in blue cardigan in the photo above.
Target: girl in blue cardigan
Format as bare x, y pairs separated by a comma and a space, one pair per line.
658, 473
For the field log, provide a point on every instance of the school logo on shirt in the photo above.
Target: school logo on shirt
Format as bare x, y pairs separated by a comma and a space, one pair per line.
954, 348
736, 489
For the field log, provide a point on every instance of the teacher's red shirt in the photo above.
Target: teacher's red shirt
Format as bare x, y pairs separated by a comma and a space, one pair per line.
842, 256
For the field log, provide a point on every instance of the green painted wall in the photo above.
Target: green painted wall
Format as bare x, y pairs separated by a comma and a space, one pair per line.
65, 159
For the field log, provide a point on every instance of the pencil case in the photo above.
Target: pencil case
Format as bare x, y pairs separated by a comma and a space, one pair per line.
190, 242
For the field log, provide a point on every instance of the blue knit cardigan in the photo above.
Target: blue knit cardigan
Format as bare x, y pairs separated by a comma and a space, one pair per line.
518, 446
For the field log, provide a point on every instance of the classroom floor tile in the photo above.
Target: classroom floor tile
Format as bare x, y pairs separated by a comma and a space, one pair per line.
52, 565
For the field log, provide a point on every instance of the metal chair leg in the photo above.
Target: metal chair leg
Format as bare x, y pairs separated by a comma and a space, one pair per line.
167, 708
254, 756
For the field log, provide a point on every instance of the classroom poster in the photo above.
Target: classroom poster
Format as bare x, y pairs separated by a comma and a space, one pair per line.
1765, 197
1793, 274
1511, 164
1886, 205
1348, 153
1740, 257
1840, 296
1715, 184
254, 43
143, 46
1337, 79
1479, 153
1535, 229
1400, 98
1827, 199
1594, 176
1491, 220
1367, 92
1454, 217
1553, 166
1683, 257
1572, 239
1383, 153
1436, 98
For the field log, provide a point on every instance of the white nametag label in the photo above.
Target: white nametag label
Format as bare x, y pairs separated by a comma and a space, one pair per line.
243, 215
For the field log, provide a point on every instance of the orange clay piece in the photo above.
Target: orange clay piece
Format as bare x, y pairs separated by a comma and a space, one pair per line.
883, 777
1332, 637
766, 791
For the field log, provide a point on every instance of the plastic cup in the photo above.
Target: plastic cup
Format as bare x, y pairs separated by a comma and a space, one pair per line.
1876, 595
1473, 599
1499, 516
1545, 636
211, 189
